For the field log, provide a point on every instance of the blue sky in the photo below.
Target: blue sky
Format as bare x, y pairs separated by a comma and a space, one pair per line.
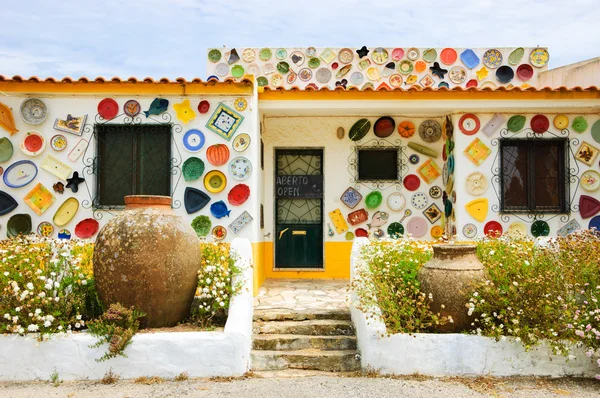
169, 38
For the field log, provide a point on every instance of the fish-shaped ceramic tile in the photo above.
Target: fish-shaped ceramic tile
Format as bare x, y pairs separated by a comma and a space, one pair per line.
7, 121
158, 106
219, 209
379, 218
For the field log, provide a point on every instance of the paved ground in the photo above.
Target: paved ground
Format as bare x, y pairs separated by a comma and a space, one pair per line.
315, 386
302, 294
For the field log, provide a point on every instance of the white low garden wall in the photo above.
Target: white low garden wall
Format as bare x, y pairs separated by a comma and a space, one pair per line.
199, 354
456, 354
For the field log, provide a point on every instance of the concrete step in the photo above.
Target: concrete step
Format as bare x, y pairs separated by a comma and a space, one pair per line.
319, 327
311, 359
291, 315
294, 342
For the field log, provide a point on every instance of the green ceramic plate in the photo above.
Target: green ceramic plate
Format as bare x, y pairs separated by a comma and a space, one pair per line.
373, 199
596, 131
516, 123
579, 124
6, 149
262, 81
283, 67
349, 235
515, 57
395, 230
192, 169
265, 54
359, 129
540, 228
18, 224
314, 62
237, 71
429, 55
214, 56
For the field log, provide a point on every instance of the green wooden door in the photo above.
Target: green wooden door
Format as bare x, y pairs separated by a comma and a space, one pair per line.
299, 208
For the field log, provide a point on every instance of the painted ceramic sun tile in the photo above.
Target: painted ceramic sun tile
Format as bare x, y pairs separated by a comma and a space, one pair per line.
224, 121
39, 199
429, 171
477, 151
184, 111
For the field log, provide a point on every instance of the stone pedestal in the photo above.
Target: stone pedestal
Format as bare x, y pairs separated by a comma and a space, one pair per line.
448, 276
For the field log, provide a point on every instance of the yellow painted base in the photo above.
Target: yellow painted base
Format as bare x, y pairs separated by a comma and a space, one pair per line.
337, 264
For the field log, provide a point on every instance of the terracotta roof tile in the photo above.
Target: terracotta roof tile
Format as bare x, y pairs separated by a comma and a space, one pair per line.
442, 89
100, 79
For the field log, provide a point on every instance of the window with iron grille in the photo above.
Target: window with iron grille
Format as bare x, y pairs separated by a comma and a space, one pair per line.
132, 160
533, 175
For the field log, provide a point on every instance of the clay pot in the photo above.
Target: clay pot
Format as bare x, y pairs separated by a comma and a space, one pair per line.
448, 276
148, 257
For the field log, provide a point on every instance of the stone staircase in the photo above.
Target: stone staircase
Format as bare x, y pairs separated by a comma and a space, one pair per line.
323, 341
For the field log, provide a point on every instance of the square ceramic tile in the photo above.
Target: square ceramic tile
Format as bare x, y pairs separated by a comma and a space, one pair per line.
429, 171
224, 121
477, 151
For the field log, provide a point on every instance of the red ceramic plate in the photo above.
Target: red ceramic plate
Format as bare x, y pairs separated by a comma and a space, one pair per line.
493, 229
412, 182
397, 55
384, 127
472, 83
361, 233
525, 72
33, 143
86, 228
238, 194
448, 56
469, 124
132, 108
203, 106
108, 108
588, 206
540, 124
358, 216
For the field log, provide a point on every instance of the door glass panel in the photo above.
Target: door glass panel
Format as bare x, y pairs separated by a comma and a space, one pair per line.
514, 174
299, 211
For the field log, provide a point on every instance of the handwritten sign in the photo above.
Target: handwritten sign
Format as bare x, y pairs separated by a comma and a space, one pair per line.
289, 187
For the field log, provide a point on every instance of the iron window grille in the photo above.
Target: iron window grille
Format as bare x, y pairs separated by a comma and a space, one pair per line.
534, 175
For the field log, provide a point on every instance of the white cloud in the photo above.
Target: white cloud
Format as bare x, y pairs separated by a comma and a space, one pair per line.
170, 37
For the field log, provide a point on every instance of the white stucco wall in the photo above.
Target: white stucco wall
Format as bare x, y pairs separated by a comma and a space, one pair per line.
60, 105
320, 132
200, 354
464, 167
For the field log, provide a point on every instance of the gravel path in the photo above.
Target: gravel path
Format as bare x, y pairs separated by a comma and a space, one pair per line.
316, 386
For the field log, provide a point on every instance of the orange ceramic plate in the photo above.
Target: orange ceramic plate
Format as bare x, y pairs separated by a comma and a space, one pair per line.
448, 56
420, 66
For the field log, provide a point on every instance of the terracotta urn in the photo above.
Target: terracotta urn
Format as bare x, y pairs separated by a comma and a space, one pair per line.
448, 276
148, 257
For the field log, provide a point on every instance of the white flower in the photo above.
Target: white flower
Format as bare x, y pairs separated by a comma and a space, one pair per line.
84, 282
60, 328
32, 328
78, 317
222, 304
527, 262
475, 294
38, 311
18, 309
47, 324
516, 283
6, 316
78, 325
42, 295
6, 273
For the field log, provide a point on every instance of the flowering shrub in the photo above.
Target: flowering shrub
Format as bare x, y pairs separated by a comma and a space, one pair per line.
215, 287
389, 282
46, 285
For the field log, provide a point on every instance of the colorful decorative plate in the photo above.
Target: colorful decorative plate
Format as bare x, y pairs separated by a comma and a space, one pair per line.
405, 67
373, 199
203, 106
305, 74
192, 168
33, 143
323, 75
219, 209
579, 124
18, 224
56, 167
361, 233
396, 201
430, 131
493, 229
215, 181
539, 124
240, 222
448, 56
524, 72
39, 199
396, 80
45, 229
492, 58
66, 212
58, 142
469, 230
64, 234
569, 227
6, 149
108, 108
540, 228
33, 111
430, 55
594, 223
356, 78
378, 233
86, 228
238, 195
414, 159
241, 142
397, 54
222, 69
297, 58
417, 227
265, 54
357, 216
413, 53
539, 57
596, 131
219, 232
432, 213
240, 168
351, 197
345, 55
194, 200
477, 151
411, 182
20, 173
419, 200
380, 55
515, 57
248, 55
469, 124
469, 58
314, 62
436, 232
240, 104
214, 56
435, 192
395, 230
384, 127
237, 71
517, 230
590, 180
457, 74
477, 183
193, 140
429, 171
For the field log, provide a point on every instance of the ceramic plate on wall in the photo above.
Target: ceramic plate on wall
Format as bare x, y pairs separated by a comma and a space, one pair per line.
20, 173
108, 108
241, 142
493, 229
6, 149
33, 111
412, 182
33, 143
192, 168
395, 230
215, 181
590, 180
219, 232
351, 197
396, 201
517, 230
540, 228
476, 183
132, 108
194, 200
419, 200
86, 228
469, 230
193, 140
39, 199
417, 227
18, 224
7, 203
373, 199
66, 212
238, 195
45, 229
58, 142
240, 168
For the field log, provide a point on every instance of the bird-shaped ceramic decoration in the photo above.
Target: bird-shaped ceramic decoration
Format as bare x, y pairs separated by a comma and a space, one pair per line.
437, 70
74, 182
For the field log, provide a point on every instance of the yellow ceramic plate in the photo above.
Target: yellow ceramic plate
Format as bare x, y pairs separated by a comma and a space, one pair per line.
436, 231
215, 181
517, 230
561, 122
66, 212
478, 209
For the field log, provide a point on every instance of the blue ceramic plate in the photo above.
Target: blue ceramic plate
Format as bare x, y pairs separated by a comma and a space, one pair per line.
193, 140
20, 174
219, 209
194, 200
7, 203
595, 223
469, 58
